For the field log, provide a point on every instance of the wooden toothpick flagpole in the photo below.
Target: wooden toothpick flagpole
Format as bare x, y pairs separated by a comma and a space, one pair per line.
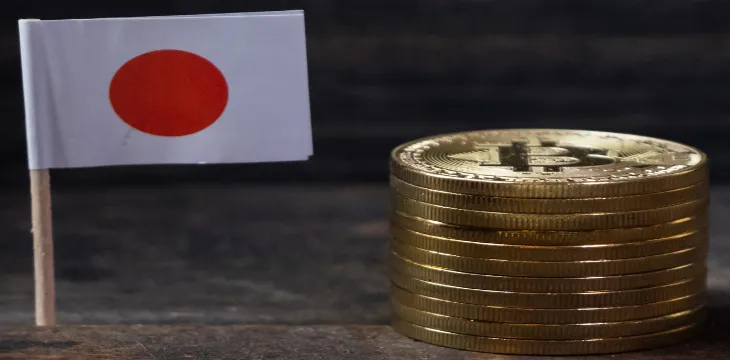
40, 188
45, 288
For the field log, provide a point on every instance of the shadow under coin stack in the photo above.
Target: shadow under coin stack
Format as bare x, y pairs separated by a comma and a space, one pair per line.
548, 242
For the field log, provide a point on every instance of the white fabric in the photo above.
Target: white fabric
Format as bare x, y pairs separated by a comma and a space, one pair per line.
68, 65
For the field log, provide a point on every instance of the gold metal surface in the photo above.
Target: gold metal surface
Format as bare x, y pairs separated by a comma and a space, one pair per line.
542, 347
511, 221
545, 163
548, 331
551, 253
561, 300
550, 206
548, 241
542, 284
555, 269
551, 238
545, 316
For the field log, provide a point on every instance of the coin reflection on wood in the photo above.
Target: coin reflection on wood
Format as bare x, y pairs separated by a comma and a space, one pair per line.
548, 242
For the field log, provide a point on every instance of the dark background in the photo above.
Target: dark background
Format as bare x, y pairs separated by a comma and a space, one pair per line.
311, 248
384, 71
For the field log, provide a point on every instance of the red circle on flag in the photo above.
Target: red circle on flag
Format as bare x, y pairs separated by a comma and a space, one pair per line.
169, 93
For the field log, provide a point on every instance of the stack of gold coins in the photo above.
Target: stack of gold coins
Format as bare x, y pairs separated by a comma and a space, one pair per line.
548, 242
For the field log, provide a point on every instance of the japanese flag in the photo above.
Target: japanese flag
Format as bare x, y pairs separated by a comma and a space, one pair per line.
227, 88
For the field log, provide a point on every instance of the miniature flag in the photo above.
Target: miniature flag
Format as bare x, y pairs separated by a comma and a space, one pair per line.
227, 88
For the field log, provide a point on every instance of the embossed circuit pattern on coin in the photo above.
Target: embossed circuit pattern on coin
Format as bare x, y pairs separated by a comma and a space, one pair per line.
535, 163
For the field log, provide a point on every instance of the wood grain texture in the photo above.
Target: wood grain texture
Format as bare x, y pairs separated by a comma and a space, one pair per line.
242, 272
282, 342
241, 254
42, 229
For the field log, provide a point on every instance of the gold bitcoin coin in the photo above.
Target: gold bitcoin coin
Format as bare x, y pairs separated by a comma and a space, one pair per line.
551, 253
543, 284
550, 164
554, 269
550, 238
545, 316
542, 347
548, 331
565, 300
550, 206
511, 221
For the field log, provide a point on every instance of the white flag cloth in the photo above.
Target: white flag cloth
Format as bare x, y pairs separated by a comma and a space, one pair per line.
224, 88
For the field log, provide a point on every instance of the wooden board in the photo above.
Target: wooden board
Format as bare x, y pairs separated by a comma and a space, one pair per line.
356, 342
240, 272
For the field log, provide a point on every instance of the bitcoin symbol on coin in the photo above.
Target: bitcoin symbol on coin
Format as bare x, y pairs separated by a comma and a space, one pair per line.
534, 155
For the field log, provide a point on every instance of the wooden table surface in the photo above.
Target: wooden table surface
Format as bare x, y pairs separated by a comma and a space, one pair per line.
241, 272
240, 342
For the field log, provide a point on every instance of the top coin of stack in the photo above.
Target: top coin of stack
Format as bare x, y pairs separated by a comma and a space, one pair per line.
548, 242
